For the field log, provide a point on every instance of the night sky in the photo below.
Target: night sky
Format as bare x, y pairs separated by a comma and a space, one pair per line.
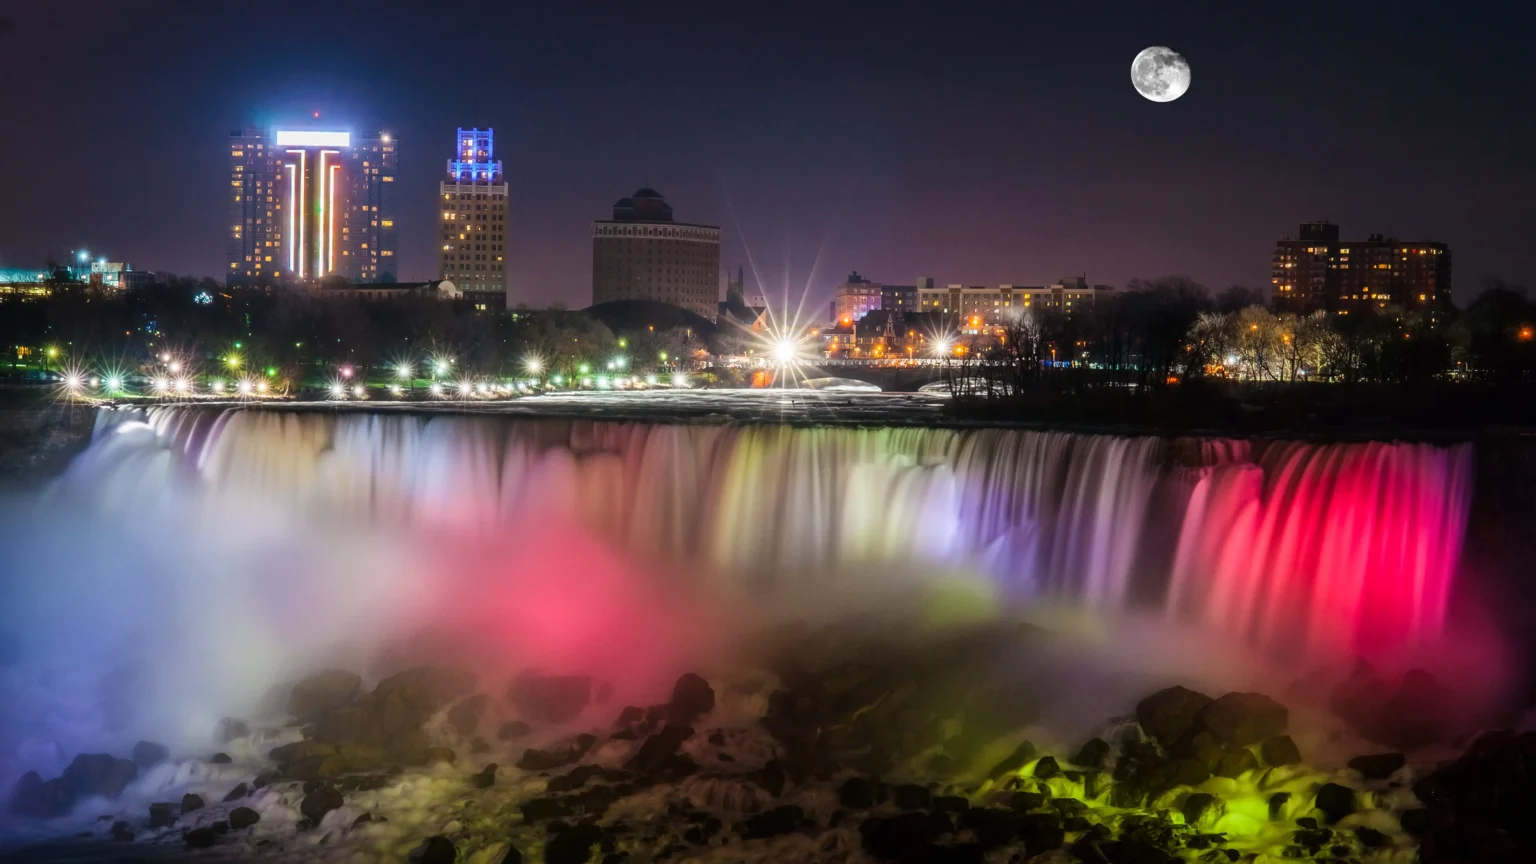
896, 139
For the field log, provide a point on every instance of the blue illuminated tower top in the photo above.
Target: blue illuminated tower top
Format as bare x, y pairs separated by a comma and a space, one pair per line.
476, 162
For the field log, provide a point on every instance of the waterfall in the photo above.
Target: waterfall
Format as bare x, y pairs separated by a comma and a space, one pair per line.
1337, 547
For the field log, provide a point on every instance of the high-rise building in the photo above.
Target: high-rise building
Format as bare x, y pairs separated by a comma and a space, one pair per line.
474, 218
642, 254
1317, 270
855, 298
305, 204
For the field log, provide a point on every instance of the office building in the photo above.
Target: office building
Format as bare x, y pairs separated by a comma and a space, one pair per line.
987, 306
308, 204
1317, 270
858, 297
474, 220
643, 254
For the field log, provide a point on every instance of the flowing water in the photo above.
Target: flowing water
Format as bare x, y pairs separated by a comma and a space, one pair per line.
1344, 547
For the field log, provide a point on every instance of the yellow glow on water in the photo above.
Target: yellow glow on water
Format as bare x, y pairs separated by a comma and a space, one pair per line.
1239, 824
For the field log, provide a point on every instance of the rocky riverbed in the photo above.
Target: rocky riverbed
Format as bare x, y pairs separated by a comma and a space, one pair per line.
828, 749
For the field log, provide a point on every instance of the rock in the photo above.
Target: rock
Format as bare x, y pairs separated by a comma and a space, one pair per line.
479, 745
512, 730
402, 702
162, 815
550, 698
320, 802
299, 751
892, 837
440, 754
317, 768
1335, 801
574, 845
1379, 766
99, 774
1244, 719
121, 833
235, 794
465, 716
435, 850
486, 778
37, 799
1278, 803
991, 827
1040, 833
147, 754
229, 729
550, 759
856, 793
1023, 802
1189, 772
772, 823
692, 697
1168, 714
364, 820
220, 759
1280, 750
1370, 838
1202, 746
657, 750
200, 838
950, 804
910, 796
1022, 753
1234, 763
772, 778
1196, 804
241, 818
190, 802
539, 809
1092, 754
1415, 823
1047, 768
265, 779
323, 692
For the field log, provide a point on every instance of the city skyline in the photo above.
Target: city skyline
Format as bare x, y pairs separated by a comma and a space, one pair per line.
957, 162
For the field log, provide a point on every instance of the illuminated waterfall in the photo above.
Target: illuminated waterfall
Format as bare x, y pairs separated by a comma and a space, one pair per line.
1331, 547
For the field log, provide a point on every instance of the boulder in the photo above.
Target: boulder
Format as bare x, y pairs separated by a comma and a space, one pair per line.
1040, 833
235, 794
405, 699
229, 729
656, 752
486, 778
1022, 753
1335, 801
1278, 804
99, 774
191, 802
555, 757
37, 799
772, 823
464, 717
200, 838
891, 837
319, 802
1197, 805
1244, 719
121, 832
1235, 762
1047, 768
512, 730
1092, 754
162, 815
435, 850
1378, 766
354, 724
1168, 714
323, 692
856, 793
220, 759
550, 698
574, 844
692, 697
1280, 750
147, 754
1416, 712
991, 827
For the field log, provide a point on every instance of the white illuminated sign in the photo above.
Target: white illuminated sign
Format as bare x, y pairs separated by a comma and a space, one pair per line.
298, 138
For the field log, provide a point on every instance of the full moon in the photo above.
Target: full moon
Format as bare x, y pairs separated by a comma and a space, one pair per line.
1160, 74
